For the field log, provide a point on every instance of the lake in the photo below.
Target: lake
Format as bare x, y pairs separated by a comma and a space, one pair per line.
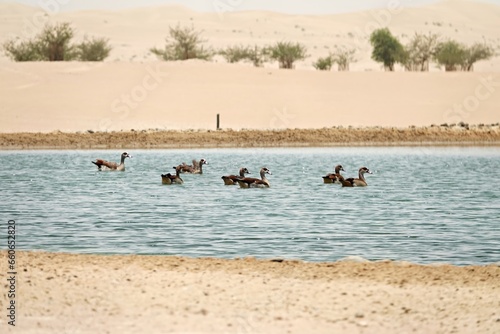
422, 204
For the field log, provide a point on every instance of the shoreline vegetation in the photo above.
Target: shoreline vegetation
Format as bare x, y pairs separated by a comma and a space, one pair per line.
443, 135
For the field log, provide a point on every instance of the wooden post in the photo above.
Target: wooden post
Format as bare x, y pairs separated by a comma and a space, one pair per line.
218, 121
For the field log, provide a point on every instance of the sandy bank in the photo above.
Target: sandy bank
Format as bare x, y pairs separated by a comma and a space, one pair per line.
157, 294
436, 135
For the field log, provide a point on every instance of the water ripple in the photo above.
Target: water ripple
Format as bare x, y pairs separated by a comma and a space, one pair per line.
423, 205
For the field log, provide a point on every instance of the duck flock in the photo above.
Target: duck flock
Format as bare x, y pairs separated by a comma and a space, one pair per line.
240, 179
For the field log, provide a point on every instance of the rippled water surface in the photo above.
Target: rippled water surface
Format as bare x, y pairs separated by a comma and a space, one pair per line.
423, 205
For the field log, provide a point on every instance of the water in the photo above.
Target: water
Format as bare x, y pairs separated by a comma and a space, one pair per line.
423, 205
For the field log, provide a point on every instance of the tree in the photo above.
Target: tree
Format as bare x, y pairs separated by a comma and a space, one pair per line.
93, 49
184, 43
343, 57
323, 64
386, 48
287, 53
475, 53
451, 55
53, 43
420, 51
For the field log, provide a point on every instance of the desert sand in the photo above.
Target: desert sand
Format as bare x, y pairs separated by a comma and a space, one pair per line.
133, 90
68, 293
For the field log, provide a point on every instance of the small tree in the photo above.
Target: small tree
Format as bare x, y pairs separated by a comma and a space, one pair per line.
419, 52
93, 49
343, 57
287, 53
184, 43
323, 64
451, 55
475, 53
386, 48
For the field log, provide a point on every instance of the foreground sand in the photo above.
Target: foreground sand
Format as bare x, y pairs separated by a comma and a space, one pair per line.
62, 293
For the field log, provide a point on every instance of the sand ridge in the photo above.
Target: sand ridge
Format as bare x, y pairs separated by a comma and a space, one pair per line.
463, 134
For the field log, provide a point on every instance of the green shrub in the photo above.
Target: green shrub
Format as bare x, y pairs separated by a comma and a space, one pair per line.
451, 55
286, 53
343, 57
234, 54
420, 51
53, 43
475, 53
93, 49
323, 64
22, 50
183, 43
386, 48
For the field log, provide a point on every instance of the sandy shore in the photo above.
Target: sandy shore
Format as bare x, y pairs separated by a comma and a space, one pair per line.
62, 293
435, 135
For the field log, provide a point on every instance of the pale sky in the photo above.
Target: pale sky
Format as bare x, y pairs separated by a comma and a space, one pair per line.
283, 6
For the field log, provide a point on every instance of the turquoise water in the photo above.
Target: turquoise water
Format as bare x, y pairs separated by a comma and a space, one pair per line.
423, 205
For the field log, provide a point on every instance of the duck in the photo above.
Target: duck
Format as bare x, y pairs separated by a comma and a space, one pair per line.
249, 182
104, 165
334, 177
172, 179
359, 182
230, 180
196, 168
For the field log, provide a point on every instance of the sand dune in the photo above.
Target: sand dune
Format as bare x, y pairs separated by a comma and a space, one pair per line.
188, 95
133, 32
132, 90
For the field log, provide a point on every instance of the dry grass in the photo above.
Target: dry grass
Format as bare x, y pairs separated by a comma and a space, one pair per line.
375, 136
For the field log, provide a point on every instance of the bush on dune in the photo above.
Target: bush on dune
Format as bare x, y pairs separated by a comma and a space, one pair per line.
286, 53
183, 43
53, 43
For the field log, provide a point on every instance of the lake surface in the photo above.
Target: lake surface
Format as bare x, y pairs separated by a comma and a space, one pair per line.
424, 205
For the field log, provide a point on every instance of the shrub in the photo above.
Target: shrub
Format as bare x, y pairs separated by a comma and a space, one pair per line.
451, 55
323, 64
22, 51
420, 51
234, 54
475, 53
286, 53
183, 43
93, 49
386, 48
343, 57
53, 43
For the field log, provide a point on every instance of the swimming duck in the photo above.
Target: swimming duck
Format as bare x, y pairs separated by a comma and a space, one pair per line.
359, 182
105, 165
334, 177
249, 182
172, 179
196, 168
232, 179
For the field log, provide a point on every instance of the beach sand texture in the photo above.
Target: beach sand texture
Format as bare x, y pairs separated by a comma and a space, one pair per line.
63, 293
